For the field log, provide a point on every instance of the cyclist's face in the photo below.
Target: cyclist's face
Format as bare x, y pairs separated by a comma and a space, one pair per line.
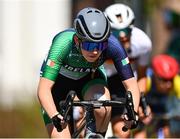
124, 36
91, 56
164, 85
125, 41
92, 50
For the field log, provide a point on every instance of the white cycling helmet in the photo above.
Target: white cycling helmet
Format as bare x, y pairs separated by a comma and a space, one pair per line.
120, 16
91, 24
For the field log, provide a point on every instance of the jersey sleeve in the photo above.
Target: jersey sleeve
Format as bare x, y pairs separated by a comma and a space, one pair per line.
60, 48
117, 53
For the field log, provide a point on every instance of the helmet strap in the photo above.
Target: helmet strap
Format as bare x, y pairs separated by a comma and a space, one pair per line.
77, 42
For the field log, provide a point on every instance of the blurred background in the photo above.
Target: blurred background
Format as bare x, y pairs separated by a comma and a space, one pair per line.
27, 28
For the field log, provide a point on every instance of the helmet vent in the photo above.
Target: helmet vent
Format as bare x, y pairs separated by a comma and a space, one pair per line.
98, 34
89, 11
118, 15
119, 18
97, 11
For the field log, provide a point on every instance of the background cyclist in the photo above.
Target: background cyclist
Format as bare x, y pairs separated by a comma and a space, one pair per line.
75, 62
163, 94
138, 47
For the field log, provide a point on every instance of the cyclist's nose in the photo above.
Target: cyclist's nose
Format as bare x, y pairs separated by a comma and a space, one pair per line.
95, 51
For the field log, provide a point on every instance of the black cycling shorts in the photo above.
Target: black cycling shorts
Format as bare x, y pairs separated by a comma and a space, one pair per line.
116, 89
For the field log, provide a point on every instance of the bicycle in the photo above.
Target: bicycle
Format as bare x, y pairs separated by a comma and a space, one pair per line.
89, 106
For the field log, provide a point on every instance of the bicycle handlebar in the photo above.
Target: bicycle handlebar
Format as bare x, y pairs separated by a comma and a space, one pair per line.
99, 103
127, 102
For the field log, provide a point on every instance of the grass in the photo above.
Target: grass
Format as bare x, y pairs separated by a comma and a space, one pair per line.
22, 122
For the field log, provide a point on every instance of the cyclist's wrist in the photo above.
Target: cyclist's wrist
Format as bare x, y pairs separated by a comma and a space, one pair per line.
55, 114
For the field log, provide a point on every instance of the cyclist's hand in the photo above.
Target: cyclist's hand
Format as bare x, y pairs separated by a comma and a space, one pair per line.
144, 106
129, 123
59, 122
141, 113
146, 119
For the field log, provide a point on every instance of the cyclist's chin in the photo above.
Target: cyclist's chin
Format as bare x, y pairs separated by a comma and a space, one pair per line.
91, 59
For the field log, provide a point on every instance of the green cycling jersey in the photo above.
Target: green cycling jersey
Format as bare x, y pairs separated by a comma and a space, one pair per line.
65, 58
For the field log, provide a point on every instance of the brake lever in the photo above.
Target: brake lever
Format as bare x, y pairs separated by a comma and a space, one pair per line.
66, 105
130, 112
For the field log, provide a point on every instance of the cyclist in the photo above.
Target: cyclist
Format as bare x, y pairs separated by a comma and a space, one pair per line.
75, 62
138, 47
163, 93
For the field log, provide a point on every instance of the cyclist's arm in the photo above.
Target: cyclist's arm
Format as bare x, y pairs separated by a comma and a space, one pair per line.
119, 56
45, 96
144, 109
131, 85
59, 49
141, 71
142, 83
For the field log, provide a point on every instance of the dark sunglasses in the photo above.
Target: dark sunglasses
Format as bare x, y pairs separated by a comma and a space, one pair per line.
126, 31
91, 46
